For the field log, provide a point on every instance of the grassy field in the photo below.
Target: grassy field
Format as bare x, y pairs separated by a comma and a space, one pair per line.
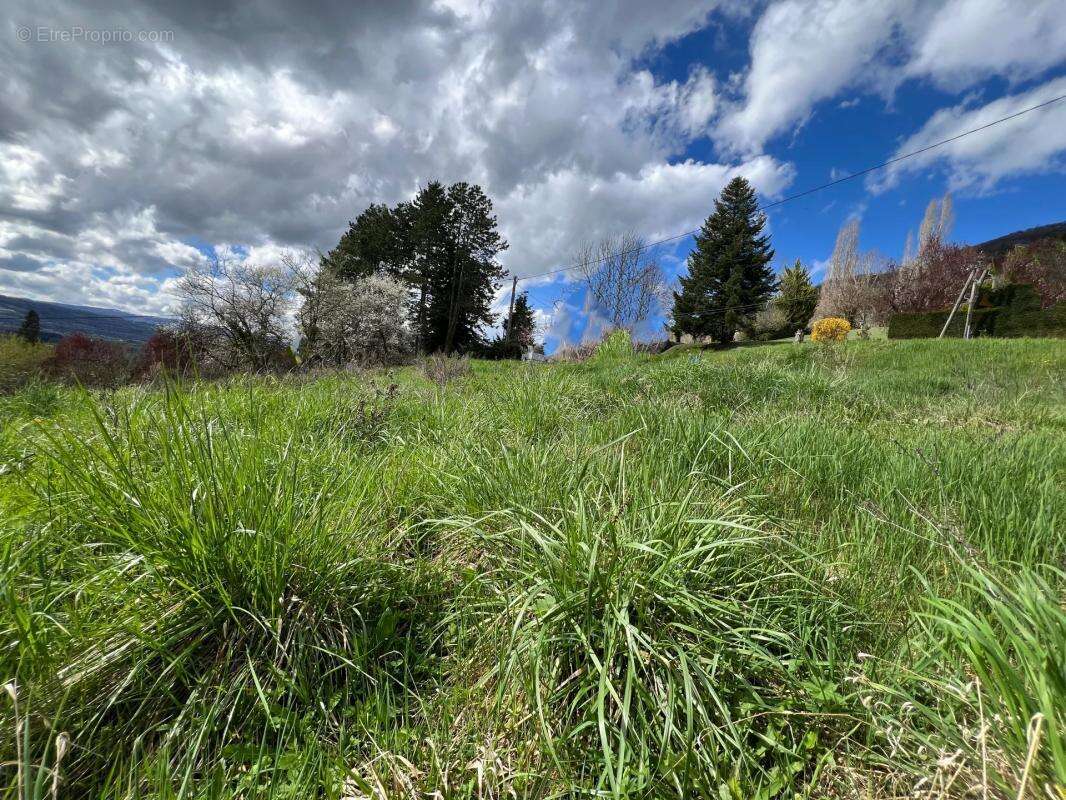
777, 571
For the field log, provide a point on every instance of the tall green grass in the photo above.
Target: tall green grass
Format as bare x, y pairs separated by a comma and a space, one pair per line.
775, 571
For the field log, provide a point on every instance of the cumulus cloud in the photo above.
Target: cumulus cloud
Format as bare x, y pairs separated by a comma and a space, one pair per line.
569, 206
967, 40
804, 52
270, 125
1030, 143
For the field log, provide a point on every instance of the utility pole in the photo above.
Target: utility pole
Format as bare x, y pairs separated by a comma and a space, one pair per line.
510, 311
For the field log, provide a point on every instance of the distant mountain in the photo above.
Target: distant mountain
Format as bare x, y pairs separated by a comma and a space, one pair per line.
999, 247
59, 319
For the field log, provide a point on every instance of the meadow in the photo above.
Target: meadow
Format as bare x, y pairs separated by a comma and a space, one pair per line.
774, 571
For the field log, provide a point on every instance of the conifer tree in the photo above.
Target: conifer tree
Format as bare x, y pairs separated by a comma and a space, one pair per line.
463, 272
728, 272
797, 296
30, 330
521, 327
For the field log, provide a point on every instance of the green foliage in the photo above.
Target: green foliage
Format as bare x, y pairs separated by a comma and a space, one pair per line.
989, 700
518, 329
647, 630
1013, 310
375, 242
616, 346
20, 361
1012, 642
729, 267
232, 601
30, 330
753, 573
797, 296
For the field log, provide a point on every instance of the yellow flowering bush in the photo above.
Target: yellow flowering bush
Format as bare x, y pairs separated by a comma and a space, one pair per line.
830, 329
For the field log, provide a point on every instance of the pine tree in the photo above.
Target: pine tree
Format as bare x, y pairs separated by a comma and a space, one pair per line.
797, 296
30, 330
728, 268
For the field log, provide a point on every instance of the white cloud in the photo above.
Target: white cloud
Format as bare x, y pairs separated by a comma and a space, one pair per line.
273, 127
967, 40
1033, 142
804, 52
26, 183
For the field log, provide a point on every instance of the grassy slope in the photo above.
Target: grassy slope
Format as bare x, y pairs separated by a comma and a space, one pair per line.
643, 575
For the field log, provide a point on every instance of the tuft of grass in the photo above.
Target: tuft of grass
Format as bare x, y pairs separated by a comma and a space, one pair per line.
231, 595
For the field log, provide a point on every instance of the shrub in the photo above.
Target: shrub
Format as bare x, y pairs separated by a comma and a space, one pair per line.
90, 361
773, 322
933, 279
1018, 313
20, 361
363, 322
1011, 310
830, 329
1041, 264
167, 349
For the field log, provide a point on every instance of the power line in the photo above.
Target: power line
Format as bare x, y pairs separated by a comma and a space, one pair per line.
812, 190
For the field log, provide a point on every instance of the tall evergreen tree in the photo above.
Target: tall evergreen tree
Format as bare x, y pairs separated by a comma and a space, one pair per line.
429, 214
375, 242
729, 267
797, 296
30, 330
521, 327
463, 272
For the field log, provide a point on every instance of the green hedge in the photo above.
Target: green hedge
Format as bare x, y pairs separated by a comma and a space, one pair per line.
1013, 310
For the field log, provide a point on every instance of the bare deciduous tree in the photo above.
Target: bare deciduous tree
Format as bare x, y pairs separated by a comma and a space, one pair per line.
854, 287
245, 308
624, 281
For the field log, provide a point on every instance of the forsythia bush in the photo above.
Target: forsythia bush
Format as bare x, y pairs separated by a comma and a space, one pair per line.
830, 329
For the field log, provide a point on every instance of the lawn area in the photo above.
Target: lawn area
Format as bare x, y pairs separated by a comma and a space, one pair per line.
774, 571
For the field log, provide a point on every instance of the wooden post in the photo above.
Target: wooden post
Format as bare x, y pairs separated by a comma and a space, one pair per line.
966, 333
958, 301
510, 311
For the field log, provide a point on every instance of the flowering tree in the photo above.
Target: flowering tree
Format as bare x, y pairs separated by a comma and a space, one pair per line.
363, 321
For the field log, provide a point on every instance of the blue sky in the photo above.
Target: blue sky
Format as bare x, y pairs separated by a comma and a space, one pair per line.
257, 130
842, 135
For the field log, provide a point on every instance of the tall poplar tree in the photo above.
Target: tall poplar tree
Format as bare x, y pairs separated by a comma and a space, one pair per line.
729, 273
